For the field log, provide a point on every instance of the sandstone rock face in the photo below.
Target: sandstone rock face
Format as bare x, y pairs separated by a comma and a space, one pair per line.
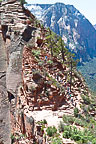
13, 31
4, 102
3, 55
4, 116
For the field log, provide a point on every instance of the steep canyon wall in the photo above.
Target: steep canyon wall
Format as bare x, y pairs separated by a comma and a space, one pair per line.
13, 30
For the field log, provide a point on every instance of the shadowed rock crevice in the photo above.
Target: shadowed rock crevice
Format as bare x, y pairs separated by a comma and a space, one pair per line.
4, 31
27, 34
10, 96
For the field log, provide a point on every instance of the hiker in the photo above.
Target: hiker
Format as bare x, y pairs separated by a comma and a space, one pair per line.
19, 101
45, 58
65, 85
57, 77
72, 100
68, 90
75, 104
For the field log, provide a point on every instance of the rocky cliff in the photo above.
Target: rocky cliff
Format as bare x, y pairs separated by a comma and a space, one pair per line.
34, 85
4, 102
13, 31
78, 33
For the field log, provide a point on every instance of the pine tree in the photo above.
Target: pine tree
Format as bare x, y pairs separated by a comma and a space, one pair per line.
23, 2
62, 48
73, 64
51, 40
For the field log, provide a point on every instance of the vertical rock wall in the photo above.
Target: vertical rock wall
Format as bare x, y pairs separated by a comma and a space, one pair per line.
16, 31
4, 102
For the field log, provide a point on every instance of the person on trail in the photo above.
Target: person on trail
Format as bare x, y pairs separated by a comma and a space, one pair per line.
65, 85
46, 58
72, 100
68, 89
75, 104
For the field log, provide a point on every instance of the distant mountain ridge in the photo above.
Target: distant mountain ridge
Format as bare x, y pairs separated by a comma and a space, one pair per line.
78, 33
94, 26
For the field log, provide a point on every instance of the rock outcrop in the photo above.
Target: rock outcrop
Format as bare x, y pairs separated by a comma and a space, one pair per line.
4, 102
13, 30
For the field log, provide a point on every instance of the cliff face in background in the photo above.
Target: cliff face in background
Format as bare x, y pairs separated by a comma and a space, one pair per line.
78, 33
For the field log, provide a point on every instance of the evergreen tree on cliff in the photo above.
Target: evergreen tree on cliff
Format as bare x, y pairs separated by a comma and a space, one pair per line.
23, 2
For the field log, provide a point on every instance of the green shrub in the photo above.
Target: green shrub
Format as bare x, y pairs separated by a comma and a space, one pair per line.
51, 131
74, 130
68, 119
76, 112
81, 137
41, 63
44, 121
57, 140
50, 62
94, 141
79, 122
86, 99
67, 131
36, 53
13, 138
42, 128
76, 137
66, 134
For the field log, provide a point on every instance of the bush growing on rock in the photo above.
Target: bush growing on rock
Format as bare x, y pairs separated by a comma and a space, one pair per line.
51, 131
76, 112
86, 100
68, 119
57, 140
